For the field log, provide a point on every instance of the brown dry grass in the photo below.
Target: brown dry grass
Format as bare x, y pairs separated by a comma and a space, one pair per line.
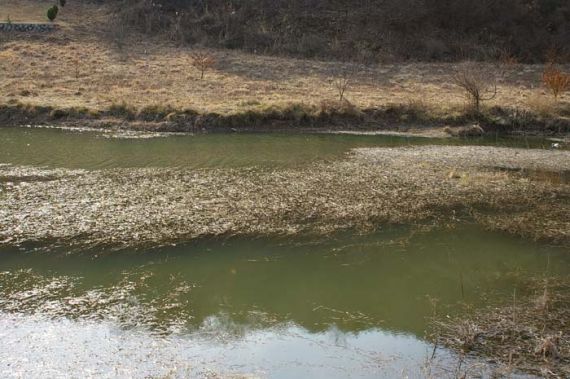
25, 11
81, 66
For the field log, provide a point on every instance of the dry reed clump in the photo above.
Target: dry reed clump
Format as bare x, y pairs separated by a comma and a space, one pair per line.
530, 334
542, 105
154, 207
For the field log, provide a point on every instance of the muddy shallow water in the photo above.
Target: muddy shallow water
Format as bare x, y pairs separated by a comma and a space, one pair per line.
313, 283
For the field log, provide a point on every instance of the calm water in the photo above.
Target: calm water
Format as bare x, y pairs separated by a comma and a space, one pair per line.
95, 150
346, 306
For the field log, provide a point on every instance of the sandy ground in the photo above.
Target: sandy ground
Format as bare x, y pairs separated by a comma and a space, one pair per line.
371, 188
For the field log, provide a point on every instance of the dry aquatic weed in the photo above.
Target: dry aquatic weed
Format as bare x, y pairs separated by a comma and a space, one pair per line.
529, 334
153, 207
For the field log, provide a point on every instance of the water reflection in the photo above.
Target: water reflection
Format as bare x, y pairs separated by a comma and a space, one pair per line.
390, 280
38, 347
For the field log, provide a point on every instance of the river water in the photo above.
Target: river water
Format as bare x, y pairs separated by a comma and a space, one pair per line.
348, 306
98, 150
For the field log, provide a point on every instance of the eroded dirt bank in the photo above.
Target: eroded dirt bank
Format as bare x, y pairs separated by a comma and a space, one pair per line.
371, 187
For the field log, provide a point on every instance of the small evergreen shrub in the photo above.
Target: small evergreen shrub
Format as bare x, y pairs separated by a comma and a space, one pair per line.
52, 13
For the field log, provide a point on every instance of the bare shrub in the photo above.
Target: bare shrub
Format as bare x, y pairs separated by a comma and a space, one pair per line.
341, 82
555, 80
477, 83
202, 61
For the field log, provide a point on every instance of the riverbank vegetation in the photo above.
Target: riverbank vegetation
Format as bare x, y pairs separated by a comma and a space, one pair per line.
529, 333
329, 115
88, 70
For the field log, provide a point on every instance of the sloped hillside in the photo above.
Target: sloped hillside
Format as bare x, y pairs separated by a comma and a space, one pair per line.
369, 30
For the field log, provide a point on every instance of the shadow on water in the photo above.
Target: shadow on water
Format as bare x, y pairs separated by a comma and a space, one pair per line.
56, 148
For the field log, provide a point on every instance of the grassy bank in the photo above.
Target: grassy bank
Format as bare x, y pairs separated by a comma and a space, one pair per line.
87, 72
332, 115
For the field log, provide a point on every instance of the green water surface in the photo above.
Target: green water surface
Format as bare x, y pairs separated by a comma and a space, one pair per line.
289, 308
57, 148
345, 306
